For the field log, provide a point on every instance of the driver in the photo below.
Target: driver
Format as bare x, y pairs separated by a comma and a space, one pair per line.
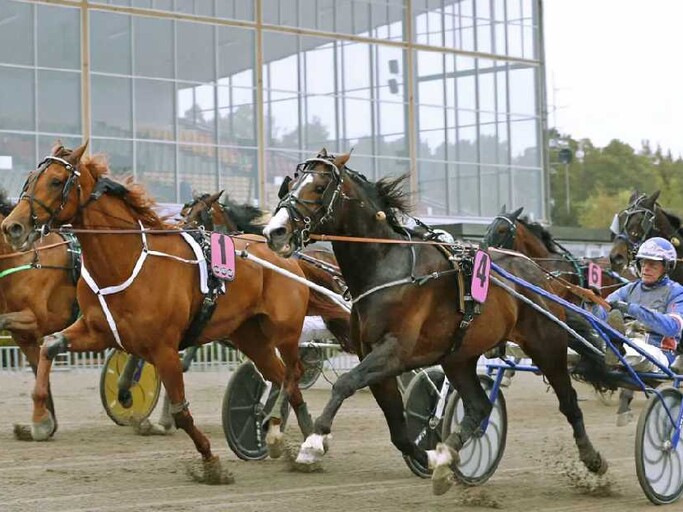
655, 301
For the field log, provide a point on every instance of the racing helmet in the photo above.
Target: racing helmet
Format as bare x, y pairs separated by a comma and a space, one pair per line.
658, 249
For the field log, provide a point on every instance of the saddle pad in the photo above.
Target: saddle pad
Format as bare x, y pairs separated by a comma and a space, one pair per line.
222, 256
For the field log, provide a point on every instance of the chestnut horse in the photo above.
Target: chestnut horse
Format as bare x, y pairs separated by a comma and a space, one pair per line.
510, 231
146, 308
405, 311
644, 218
229, 217
38, 297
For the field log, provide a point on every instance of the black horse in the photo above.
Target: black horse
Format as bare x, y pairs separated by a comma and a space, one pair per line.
407, 309
644, 218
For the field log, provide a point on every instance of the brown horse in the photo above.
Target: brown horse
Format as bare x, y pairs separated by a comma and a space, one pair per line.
510, 231
644, 218
38, 297
206, 210
155, 302
406, 314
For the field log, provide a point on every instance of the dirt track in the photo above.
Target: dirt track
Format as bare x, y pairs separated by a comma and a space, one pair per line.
94, 465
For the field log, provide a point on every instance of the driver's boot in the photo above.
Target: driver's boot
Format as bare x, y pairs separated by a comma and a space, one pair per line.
616, 321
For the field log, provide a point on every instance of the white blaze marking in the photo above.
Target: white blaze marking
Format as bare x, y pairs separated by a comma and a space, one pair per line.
279, 220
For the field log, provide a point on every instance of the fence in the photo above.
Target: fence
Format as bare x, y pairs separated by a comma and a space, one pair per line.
212, 356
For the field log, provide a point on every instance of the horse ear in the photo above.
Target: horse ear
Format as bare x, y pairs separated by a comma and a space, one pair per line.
340, 160
215, 197
57, 148
635, 195
503, 210
653, 198
322, 153
77, 154
514, 215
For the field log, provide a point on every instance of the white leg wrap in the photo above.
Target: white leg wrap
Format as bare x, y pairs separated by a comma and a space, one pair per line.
439, 457
312, 449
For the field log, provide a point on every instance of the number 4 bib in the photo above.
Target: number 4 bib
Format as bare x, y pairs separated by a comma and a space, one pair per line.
480, 277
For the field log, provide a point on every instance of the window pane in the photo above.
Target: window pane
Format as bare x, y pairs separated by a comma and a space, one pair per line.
59, 102
197, 171
235, 9
59, 37
119, 154
154, 102
238, 174
17, 158
524, 142
153, 47
432, 187
280, 163
16, 36
111, 106
523, 91
196, 113
196, 53
236, 121
16, 99
155, 165
236, 52
319, 129
110, 42
197, 7
528, 191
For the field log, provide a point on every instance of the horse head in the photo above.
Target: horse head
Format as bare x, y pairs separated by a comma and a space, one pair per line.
501, 232
52, 195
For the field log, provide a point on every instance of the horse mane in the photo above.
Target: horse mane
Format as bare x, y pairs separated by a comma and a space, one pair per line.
541, 233
244, 215
139, 202
6, 206
674, 220
388, 195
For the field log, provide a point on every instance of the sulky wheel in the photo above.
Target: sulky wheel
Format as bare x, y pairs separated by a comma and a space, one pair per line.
244, 412
423, 419
658, 464
312, 361
144, 390
480, 456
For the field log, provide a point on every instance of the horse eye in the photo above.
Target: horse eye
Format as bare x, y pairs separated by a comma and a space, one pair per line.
56, 182
319, 189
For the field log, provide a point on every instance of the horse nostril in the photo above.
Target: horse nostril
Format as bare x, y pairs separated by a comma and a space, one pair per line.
278, 233
15, 230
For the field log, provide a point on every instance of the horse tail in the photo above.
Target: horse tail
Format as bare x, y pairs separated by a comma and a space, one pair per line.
336, 319
591, 367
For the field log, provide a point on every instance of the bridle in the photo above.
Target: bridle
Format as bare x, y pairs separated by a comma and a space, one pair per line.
507, 242
317, 212
647, 224
72, 180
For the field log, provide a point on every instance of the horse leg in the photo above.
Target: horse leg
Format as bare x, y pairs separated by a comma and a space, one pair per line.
165, 422
463, 376
551, 359
75, 338
170, 369
29, 347
389, 399
382, 362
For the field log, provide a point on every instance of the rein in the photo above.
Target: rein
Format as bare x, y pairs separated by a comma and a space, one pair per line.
23, 253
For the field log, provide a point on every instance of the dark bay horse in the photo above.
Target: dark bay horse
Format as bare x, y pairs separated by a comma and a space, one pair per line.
207, 210
38, 297
405, 312
644, 218
155, 302
509, 230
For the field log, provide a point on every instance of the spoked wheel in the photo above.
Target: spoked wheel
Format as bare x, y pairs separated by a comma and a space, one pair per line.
312, 360
480, 456
423, 420
144, 390
244, 412
658, 464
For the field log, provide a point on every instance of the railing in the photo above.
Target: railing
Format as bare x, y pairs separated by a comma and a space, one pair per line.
212, 356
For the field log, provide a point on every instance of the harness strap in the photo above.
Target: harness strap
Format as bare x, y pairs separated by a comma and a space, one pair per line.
110, 290
14, 270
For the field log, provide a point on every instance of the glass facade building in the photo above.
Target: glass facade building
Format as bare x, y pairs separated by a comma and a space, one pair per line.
202, 95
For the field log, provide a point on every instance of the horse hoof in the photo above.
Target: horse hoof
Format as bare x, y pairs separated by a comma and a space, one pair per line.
125, 398
211, 472
43, 429
602, 467
147, 428
22, 432
442, 480
276, 444
312, 449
